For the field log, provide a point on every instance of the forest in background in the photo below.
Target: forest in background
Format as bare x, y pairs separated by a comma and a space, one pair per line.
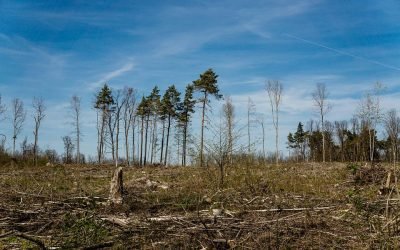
158, 129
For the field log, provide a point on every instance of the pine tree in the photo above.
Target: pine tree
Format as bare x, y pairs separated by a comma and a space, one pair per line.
186, 109
169, 107
154, 105
141, 112
300, 139
104, 103
206, 85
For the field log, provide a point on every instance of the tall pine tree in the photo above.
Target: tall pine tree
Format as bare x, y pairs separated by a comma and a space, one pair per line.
186, 109
206, 85
169, 107
104, 104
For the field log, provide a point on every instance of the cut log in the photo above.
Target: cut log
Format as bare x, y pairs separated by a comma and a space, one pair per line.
117, 188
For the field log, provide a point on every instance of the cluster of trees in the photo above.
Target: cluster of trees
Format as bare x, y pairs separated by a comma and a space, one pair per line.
353, 140
16, 113
17, 116
148, 123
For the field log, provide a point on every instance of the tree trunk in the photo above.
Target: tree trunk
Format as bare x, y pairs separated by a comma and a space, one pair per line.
276, 146
166, 144
248, 129
162, 143
137, 143
184, 144
35, 145
111, 131
145, 142
117, 142
202, 129
323, 137
99, 131
133, 141
372, 147
78, 132
14, 139
117, 187
141, 143
263, 140
154, 139
127, 145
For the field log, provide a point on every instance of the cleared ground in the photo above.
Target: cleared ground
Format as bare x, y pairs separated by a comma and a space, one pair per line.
304, 206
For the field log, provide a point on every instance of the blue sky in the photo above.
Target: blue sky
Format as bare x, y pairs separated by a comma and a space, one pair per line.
55, 49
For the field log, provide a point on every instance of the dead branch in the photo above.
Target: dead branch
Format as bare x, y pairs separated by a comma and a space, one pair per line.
117, 221
29, 238
292, 209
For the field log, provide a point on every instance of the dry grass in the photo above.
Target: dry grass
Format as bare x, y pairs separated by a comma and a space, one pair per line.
304, 206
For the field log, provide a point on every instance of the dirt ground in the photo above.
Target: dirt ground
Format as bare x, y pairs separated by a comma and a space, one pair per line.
293, 205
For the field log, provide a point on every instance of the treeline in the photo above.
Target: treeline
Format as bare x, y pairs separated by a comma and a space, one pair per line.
345, 141
354, 140
18, 113
156, 129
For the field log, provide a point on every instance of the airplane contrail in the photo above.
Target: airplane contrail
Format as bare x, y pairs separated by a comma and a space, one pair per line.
343, 52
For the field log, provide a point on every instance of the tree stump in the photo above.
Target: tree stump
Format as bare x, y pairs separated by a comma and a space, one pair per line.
117, 187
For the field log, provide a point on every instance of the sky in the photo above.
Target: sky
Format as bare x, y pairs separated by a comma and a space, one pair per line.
56, 49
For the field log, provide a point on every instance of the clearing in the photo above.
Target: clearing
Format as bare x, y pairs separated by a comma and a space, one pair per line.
293, 205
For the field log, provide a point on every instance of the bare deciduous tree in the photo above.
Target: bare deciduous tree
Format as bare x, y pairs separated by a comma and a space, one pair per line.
119, 104
274, 89
76, 113
39, 109
341, 128
225, 141
392, 127
128, 118
69, 148
18, 117
320, 96
229, 116
250, 113
3, 109
370, 113
262, 123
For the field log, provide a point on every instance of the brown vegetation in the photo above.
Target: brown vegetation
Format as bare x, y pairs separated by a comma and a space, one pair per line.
304, 206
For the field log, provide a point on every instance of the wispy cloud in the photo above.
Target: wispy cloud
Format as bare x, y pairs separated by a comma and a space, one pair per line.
111, 75
20, 48
341, 52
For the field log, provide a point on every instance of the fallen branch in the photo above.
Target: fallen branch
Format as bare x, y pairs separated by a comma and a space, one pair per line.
117, 221
25, 237
31, 239
292, 209
6, 234
166, 218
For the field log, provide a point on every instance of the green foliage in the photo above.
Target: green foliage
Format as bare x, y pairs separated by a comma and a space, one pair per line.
170, 102
154, 101
207, 84
353, 167
82, 230
143, 108
298, 139
104, 99
186, 108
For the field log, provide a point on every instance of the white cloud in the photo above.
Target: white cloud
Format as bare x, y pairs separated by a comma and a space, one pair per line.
111, 75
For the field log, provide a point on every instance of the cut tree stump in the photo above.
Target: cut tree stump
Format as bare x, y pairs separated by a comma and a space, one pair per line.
117, 187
